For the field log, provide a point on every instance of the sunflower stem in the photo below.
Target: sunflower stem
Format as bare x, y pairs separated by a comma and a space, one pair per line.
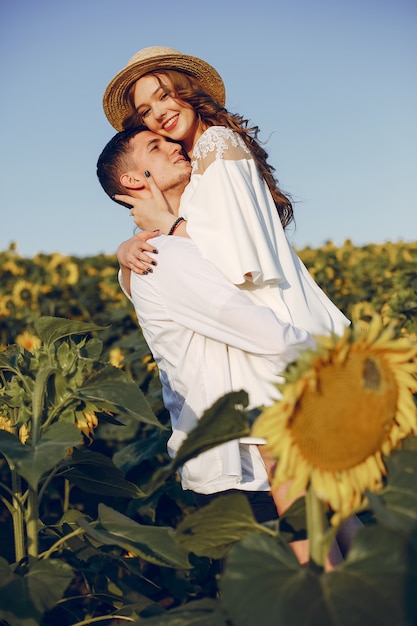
32, 514
317, 525
17, 515
62, 540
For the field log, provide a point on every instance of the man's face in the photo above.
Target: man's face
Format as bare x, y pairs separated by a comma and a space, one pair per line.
163, 158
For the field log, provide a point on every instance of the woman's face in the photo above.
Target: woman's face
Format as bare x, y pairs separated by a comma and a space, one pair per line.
162, 113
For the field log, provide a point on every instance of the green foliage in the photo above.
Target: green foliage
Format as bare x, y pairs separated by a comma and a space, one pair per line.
96, 473
33, 461
212, 530
151, 543
198, 613
94, 523
49, 392
210, 432
373, 586
382, 276
24, 599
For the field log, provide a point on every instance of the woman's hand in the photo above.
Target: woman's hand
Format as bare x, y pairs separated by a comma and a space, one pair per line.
132, 253
152, 212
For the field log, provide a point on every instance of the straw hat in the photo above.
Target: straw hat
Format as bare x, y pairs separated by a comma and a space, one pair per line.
151, 59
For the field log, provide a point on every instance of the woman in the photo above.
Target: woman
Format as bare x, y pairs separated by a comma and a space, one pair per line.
234, 210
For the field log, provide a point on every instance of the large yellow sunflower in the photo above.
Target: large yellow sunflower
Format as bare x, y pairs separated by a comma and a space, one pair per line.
343, 408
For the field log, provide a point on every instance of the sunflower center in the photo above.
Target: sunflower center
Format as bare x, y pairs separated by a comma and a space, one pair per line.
349, 415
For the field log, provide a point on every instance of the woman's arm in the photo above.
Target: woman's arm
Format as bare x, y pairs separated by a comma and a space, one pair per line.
154, 212
154, 216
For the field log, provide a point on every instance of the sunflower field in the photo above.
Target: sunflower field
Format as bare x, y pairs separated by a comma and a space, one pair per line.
94, 525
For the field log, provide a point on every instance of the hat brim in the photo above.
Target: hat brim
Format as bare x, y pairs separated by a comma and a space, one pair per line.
115, 102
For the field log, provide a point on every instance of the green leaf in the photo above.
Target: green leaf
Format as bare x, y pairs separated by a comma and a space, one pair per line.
261, 573
374, 586
96, 473
92, 349
293, 523
114, 390
205, 612
212, 530
50, 329
24, 600
154, 541
396, 504
410, 443
38, 399
6, 365
32, 462
154, 544
133, 454
224, 421
378, 580
47, 581
79, 545
118, 430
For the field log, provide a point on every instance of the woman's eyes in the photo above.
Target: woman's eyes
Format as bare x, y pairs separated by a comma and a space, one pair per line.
164, 95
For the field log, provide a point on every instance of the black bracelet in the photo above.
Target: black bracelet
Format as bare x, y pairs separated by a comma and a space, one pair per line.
175, 224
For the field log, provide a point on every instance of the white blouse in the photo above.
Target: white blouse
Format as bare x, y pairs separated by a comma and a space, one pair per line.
233, 220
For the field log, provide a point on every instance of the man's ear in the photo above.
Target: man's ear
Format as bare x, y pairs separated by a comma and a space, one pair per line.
130, 181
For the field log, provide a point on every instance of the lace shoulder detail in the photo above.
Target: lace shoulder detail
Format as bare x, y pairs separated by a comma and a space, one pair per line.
218, 142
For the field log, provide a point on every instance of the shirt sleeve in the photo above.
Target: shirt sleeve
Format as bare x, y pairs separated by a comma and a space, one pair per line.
198, 296
123, 285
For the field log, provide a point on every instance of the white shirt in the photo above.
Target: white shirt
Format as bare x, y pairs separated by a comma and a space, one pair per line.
208, 339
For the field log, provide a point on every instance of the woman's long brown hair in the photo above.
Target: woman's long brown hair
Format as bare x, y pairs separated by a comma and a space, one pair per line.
189, 90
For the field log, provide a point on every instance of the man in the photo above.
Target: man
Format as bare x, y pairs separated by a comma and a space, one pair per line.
206, 336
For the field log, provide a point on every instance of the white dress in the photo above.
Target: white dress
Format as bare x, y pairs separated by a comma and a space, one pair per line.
233, 220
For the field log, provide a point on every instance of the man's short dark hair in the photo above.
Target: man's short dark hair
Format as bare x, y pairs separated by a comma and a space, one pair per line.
115, 160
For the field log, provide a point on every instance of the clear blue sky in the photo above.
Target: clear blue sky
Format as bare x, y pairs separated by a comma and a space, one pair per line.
331, 83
